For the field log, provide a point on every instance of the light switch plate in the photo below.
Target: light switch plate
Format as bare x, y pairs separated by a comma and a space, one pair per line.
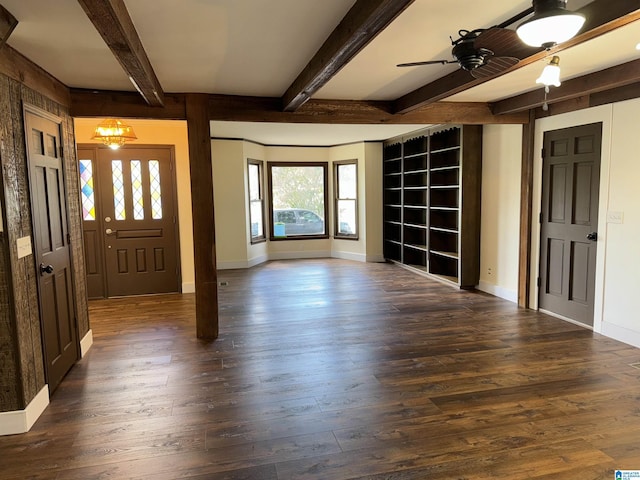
615, 217
24, 246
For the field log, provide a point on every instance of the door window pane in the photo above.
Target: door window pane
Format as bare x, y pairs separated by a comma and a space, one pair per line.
118, 190
87, 191
156, 192
136, 188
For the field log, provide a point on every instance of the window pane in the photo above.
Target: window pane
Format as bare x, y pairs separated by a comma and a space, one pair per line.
298, 199
257, 226
154, 187
136, 188
87, 191
347, 181
347, 217
254, 182
118, 190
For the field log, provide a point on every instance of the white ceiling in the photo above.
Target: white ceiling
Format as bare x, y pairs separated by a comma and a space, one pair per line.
258, 47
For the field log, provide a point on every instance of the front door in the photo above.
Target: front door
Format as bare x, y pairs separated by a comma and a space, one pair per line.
51, 244
130, 223
570, 186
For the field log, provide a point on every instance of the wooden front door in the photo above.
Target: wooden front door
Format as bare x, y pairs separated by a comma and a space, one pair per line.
570, 186
130, 221
51, 244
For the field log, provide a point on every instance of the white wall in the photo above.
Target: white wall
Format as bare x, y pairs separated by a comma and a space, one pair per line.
617, 281
500, 226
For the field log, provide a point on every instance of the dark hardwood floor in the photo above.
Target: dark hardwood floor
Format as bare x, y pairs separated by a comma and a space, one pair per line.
330, 369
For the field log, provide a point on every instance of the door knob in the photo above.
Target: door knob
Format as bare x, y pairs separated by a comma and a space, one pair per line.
108, 231
592, 236
45, 269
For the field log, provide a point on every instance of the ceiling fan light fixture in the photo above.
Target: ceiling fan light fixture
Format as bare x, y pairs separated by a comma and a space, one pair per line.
550, 24
551, 73
113, 133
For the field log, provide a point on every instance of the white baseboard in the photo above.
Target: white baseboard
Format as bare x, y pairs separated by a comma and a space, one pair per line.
630, 337
85, 343
21, 421
299, 254
232, 265
498, 291
356, 257
189, 287
257, 260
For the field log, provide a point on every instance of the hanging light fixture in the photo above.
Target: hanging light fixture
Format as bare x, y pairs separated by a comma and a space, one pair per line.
550, 24
550, 76
551, 73
114, 133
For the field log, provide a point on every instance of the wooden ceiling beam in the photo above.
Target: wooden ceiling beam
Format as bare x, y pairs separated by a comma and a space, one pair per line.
7, 24
113, 22
364, 21
603, 16
607, 79
87, 103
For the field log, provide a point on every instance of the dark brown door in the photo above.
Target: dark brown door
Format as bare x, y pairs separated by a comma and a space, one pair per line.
570, 186
51, 244
136, 220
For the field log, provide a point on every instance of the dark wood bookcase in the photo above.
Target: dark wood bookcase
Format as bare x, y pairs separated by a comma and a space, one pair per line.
432, 181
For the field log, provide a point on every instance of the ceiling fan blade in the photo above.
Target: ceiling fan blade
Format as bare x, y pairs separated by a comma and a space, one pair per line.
494, 66
428, 62
504, 43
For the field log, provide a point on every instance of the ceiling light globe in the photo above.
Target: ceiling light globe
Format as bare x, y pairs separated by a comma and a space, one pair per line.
549, 31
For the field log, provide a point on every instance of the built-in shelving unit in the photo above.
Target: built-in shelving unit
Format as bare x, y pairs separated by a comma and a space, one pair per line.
431, 200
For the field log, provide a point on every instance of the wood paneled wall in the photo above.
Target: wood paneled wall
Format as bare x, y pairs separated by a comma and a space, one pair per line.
21, 356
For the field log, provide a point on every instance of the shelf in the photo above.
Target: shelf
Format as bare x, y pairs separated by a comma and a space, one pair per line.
428, 175
445, 254
440, 169
447, 149
446, 278
445, 230
445, 209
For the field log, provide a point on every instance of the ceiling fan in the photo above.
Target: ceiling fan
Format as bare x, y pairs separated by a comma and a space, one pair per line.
475, 51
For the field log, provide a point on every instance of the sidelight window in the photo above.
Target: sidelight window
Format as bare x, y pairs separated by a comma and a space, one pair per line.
87, 190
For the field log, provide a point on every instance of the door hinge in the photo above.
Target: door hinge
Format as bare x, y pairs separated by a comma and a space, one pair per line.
538, 282
540, 217
61, 150
542, 152
68, 239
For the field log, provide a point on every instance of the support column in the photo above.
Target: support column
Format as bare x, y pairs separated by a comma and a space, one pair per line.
203, 216
526, 210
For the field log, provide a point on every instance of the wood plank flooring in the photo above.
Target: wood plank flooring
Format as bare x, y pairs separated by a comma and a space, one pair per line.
330, 369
